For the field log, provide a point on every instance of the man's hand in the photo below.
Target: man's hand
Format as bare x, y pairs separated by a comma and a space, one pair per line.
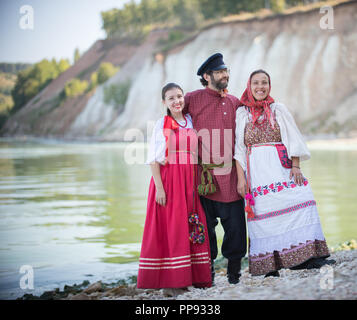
242, 187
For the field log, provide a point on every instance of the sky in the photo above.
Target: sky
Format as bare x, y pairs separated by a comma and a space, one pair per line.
59, 27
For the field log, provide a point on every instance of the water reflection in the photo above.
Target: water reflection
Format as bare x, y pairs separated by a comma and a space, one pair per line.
332, 179
66, 205
69, 204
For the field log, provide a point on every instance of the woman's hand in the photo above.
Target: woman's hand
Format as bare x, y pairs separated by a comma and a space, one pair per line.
297, 174
161, 196
242, 187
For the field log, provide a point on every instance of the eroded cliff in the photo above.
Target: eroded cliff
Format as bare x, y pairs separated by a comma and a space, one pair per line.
313, 72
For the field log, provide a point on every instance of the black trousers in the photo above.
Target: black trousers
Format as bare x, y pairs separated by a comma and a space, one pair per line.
232, 216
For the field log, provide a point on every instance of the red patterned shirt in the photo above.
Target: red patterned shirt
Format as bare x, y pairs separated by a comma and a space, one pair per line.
213, 117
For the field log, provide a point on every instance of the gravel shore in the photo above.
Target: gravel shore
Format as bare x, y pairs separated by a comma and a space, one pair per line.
338, 282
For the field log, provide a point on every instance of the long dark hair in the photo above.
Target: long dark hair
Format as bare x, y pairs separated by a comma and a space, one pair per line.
166, 88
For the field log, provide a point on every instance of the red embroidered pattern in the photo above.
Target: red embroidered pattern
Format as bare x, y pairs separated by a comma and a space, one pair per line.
284, 211
275, 187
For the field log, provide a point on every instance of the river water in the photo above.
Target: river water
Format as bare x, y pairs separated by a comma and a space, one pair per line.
75, 211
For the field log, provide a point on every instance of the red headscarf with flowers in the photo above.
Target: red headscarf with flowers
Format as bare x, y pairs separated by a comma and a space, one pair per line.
258, 107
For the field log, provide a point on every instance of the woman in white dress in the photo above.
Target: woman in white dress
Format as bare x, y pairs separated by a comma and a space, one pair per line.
283, 222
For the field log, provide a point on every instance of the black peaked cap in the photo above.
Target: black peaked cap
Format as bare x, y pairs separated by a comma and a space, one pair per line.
214, 62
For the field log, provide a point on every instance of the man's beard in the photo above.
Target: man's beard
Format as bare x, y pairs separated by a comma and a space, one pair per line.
219, 84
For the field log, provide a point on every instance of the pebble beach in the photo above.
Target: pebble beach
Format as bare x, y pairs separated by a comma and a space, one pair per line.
331, 282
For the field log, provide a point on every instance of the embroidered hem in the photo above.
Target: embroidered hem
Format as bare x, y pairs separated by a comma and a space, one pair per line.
283, 211
287, 258
275, 187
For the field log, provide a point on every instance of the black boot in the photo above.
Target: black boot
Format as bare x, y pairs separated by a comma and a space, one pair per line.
317, 263
313, 263
272, 274
233, 271
212, 272
329, 261
300, 266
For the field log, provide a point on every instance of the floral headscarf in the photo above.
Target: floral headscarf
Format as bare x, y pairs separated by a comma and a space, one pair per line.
258, 107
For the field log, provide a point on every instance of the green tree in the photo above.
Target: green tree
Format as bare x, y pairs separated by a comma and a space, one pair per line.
211, 9
105, 71
249, 5
6, 103
277, 5
45, 71
117, 94
93, 80
32, 80
187, 12
76, 55
136, 17
146, 8
109, 21
75, 87
63, 65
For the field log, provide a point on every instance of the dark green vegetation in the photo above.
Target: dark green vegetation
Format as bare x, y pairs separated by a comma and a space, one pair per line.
137, 18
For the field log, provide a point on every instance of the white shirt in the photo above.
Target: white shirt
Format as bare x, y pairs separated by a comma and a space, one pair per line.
290, 134
157, 144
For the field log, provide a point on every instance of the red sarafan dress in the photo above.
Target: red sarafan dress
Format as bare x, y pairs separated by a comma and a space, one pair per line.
170, 257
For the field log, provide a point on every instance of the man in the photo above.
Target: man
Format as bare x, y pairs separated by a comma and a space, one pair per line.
213, 113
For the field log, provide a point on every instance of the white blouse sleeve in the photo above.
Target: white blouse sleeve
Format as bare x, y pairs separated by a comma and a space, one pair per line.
240, 149
290, 133
157, 144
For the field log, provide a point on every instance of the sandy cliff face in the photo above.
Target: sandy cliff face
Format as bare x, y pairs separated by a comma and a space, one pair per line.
47, 116
313, 72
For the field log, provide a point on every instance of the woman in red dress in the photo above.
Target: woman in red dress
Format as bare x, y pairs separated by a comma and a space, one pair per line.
175, 248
